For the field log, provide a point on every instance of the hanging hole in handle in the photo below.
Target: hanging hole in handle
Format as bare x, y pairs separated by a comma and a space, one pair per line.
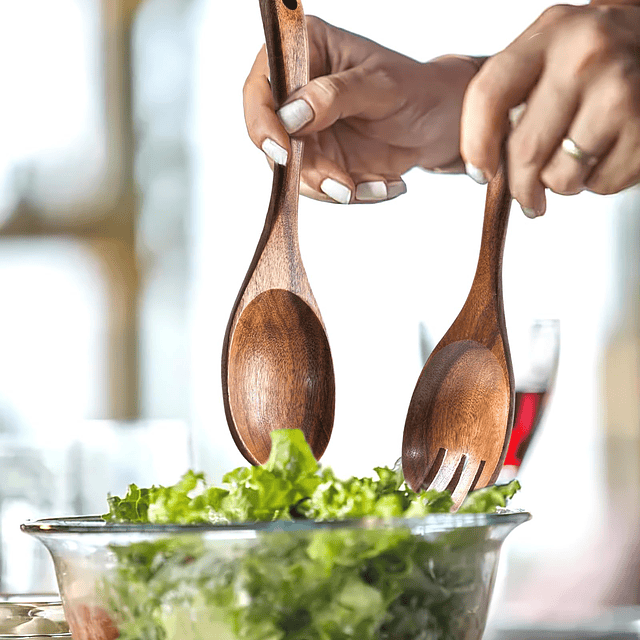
290, 4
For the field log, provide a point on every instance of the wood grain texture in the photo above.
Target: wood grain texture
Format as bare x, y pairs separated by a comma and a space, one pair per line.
461, 412
277, 369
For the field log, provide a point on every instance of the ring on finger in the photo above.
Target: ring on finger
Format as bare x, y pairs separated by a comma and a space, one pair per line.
582, 156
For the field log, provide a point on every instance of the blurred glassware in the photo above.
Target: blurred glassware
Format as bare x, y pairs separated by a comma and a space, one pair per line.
535, 352
27, 490
22, 618
109, 455
41, 476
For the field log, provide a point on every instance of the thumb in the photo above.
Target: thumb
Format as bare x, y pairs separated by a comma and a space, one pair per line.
324, 100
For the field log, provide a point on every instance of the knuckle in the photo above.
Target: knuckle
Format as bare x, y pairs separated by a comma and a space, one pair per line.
624, 87
483, 89
384, 79
562, 184
328, 88
593, 41
620, 100
555, 14
525, 148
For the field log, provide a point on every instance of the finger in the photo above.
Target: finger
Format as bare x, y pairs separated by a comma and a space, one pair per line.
589, 139
372, 187
621, 166
503, 83
355, 92
263, 125
550, 109
396, 187
322, 175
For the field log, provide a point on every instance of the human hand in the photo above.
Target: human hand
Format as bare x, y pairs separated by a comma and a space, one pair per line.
367, 115
577, 68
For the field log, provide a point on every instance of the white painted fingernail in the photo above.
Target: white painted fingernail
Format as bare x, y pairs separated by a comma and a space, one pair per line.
475, 173
375, 190
530, 213
336, 191
295, 115
277, 153
515, 114
395, 189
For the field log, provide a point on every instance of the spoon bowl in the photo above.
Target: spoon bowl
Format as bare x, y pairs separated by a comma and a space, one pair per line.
280, 373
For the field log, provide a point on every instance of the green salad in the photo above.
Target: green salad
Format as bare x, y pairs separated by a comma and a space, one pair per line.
379, 582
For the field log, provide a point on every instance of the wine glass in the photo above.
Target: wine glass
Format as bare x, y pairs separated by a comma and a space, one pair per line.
535, 351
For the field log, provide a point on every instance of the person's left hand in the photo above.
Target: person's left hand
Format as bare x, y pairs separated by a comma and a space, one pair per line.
577, 68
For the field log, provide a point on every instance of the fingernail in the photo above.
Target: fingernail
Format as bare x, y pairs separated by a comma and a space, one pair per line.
336, 191
515, 114
475, 173
530, 213
295, 115
395, 189
277, 153
368, 191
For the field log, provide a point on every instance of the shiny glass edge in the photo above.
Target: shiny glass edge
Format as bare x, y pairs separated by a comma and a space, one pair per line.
442, 521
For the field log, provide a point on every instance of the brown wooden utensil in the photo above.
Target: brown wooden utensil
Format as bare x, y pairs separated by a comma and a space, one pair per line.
277, 370
461, 412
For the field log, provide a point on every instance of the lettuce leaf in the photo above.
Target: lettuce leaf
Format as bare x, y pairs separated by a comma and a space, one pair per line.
291, 484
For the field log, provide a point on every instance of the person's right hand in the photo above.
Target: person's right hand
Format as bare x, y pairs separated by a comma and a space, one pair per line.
367, 116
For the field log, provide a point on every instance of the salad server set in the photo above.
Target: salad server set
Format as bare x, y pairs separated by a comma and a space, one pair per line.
277, 368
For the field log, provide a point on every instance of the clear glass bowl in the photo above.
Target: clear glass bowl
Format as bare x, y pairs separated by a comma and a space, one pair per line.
405, 579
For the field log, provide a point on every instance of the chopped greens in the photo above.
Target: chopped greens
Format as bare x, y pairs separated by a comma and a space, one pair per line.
379, 583
292, 484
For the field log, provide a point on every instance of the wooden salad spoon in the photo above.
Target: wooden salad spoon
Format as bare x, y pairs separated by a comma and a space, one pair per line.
277, 369
461, 412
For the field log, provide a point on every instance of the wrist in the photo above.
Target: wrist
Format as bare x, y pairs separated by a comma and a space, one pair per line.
448, 75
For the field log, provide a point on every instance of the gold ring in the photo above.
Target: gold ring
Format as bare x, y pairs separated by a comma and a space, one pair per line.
572, 149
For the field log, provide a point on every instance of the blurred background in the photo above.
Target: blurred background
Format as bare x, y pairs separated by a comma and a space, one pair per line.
131, 202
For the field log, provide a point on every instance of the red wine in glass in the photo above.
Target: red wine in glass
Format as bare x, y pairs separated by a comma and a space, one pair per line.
529, 408
535, 360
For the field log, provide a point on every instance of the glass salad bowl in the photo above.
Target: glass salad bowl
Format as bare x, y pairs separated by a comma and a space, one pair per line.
427, 578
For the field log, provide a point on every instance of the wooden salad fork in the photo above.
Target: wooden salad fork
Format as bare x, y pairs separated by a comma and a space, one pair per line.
461, 412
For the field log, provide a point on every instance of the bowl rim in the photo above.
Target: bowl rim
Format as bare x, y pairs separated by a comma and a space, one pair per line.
431, 523
34, 636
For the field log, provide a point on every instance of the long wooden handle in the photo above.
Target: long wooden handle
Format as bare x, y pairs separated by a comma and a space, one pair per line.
482, 315
288, 52
285, 34
287, 46
494, 230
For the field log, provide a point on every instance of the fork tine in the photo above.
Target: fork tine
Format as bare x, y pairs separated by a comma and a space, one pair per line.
484, 478
468, 479
451, 468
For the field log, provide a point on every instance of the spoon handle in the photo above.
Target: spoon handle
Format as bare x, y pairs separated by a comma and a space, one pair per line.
288, 52
482, 315
277, 262
494, 232
287, 47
